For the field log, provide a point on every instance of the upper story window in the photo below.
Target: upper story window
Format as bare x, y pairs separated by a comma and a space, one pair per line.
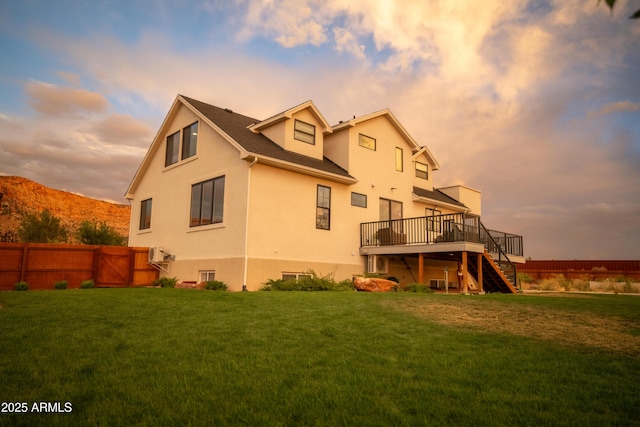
145, 214
323, 207
207, 202
399, 160
189, 145
359, 200
422, 170
367, 142
173, 149
189, 140
304, 132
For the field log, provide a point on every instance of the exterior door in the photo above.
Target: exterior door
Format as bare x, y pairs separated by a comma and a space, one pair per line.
392, 233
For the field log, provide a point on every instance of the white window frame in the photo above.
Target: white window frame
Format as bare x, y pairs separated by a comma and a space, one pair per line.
207, 276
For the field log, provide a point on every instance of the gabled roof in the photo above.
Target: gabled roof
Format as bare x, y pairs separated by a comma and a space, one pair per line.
326, 128
234, 128
237, 126
417, 148
437, 196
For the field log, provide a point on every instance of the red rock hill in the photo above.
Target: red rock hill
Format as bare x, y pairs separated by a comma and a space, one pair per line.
21, 196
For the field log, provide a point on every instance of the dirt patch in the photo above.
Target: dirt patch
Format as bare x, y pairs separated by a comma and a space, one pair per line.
564, 327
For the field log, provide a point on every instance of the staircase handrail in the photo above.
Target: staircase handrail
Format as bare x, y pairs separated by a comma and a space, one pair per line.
501, 254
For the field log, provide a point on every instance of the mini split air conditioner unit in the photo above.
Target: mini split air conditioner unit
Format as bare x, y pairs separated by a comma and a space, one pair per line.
377, 264
156, 255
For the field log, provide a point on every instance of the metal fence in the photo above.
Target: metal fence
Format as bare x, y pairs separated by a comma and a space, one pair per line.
438, 229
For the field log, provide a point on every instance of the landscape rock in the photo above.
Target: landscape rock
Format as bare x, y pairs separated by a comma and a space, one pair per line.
372, 284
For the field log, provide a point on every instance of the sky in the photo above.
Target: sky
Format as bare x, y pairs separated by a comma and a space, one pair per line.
535, 103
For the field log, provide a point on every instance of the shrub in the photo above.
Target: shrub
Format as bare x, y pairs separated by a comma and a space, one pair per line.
216, 285
42, 228
166, 282
21, 286
92, 233
419, 287
87, 284
310, 282
62, 284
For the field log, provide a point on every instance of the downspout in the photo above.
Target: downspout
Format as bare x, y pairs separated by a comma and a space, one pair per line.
246, 226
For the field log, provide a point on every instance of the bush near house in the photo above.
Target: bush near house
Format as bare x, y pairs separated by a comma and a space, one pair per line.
166, 282
216, 285
310, 282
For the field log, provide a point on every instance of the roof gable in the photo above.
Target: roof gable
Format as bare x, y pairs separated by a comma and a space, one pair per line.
234, 128
288, 114
416, 148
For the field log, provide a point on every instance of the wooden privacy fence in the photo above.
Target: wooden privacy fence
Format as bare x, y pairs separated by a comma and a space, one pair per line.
42, 265
575, 269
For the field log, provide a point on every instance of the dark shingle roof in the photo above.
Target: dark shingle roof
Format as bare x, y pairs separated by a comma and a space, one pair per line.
436, 195
235, 125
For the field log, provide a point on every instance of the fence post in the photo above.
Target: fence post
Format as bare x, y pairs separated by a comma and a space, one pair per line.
23, 267
132, 265
96, 264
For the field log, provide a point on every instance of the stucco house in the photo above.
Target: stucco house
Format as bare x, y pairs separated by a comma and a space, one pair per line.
223, 196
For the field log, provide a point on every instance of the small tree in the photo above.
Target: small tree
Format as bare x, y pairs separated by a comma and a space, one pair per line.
42, 228
92, 233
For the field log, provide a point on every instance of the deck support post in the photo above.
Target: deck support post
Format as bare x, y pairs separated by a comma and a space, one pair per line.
421, 267
479, 264
465, 276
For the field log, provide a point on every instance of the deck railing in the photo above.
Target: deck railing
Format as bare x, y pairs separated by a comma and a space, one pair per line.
422, 230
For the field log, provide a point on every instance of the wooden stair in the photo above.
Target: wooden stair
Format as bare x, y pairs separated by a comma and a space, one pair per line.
493, 278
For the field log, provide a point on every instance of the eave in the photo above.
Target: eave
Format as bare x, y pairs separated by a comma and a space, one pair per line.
288, 114
293, 167
440, 203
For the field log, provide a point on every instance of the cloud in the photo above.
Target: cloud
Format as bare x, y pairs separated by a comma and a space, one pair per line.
614, 107
290, 23
346, 42
123, 129
54, 100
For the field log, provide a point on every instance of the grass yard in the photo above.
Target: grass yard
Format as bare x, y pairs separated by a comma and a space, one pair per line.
180, 357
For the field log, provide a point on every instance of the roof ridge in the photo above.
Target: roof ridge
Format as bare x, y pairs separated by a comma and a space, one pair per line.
228, 110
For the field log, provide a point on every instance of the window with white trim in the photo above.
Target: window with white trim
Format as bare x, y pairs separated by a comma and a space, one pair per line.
295, 276
207, 276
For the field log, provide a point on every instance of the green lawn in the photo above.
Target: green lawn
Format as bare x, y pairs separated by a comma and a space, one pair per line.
180, 357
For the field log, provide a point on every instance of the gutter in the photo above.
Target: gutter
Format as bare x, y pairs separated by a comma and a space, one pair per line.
246, 226
425, 200
305, 170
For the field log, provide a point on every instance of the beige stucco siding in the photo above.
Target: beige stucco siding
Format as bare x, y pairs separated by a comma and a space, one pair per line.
170, 190
282, 221
336, 148
228, 270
